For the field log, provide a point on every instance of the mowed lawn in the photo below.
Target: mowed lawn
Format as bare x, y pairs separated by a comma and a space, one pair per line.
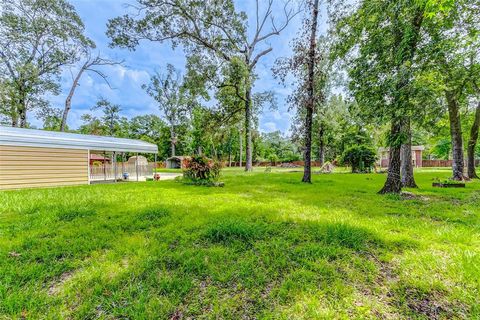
265, 246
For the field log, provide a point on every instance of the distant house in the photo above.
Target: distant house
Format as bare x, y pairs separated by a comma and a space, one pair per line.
417, 156
175, 162
96, 158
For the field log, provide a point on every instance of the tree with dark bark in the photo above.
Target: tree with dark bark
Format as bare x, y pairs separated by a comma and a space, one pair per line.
310, 103
472, 144
213, 28
380, 55
311, 66
451, 49
406, 170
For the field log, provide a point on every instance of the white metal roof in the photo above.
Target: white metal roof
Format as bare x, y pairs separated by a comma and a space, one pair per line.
51, 139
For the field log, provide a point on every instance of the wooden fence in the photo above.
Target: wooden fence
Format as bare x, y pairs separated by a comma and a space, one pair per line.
272, 164
443, 163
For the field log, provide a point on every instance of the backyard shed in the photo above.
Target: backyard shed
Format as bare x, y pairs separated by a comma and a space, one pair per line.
175, 162
140, 160
38, 158
417, 156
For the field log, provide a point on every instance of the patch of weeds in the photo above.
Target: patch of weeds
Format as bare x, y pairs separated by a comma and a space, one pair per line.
392, 196
169, 284
402, 244
33, 209
228, 231
69, 214
347, 236
147, 218
474, 197
153, 214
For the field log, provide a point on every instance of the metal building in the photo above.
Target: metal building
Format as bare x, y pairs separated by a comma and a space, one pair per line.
38, 158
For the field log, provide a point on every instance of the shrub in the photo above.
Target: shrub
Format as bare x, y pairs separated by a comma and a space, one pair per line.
361, 158
201, 170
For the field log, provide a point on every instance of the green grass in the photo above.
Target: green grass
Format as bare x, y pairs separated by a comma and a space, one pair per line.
168, 170
265, 246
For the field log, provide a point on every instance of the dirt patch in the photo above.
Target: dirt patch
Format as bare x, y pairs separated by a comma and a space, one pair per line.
432, 304
56, 286
430, 308
177, 315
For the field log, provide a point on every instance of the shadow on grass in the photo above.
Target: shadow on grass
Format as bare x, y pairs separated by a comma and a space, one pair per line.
192, 258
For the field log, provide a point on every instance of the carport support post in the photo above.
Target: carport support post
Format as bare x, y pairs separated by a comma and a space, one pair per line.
115, 165
136, 165
154, 166
104, 166
123, 163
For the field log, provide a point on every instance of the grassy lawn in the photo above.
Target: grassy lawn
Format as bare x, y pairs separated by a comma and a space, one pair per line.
264, 246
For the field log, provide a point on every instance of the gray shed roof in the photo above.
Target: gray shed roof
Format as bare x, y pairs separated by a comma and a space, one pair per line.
50, 139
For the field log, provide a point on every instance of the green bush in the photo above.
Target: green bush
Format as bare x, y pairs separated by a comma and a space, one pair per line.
201, 171
361, 158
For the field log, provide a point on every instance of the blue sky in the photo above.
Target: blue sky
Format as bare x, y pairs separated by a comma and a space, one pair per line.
149, 56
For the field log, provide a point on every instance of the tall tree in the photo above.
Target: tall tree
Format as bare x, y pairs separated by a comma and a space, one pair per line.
472, 144
111, 115
92, 64
37, 38
472, 141
380, 40
167, 89
211, 28
406, 165
311, 67
310, 103
452, 48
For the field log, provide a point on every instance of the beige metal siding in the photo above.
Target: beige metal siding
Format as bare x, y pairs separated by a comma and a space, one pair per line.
28, 167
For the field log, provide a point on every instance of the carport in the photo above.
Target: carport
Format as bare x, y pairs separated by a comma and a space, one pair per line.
38, 158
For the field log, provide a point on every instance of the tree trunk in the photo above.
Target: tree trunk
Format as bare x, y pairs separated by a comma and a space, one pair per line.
472, 144
240, 156
68, 101
22, 111
307, 171
394, 183
172, 141
408, 179
407, 44
321, 147
248, 129
456, 136
307, 156
14, 120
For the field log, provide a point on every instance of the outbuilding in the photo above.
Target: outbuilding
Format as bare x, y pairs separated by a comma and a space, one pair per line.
37, 158
417, 156
175, 162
